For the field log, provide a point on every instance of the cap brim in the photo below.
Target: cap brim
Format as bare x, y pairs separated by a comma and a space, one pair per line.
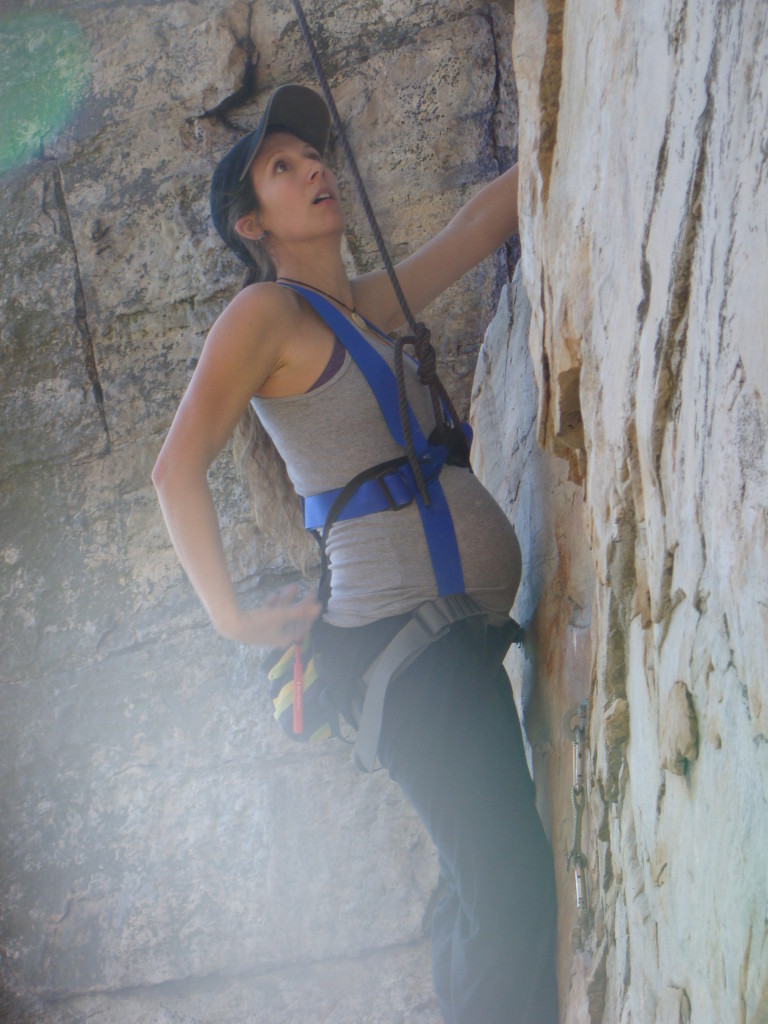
300, 111
295, 108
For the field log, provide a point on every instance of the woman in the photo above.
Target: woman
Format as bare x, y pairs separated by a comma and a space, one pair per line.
450, 735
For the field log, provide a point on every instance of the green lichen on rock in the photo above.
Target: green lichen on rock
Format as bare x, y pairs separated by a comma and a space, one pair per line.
44, 67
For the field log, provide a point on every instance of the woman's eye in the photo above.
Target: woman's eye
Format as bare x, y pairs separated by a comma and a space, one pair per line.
280, 166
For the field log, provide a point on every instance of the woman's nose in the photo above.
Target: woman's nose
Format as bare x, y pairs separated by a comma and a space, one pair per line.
315, 169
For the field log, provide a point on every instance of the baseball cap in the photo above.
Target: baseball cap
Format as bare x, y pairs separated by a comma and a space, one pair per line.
294, 108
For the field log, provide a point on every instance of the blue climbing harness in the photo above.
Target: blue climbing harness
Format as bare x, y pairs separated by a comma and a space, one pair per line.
391, 485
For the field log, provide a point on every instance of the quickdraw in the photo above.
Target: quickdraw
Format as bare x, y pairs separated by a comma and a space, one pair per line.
576, 725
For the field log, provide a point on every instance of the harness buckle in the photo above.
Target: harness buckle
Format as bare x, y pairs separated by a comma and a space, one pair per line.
396, 490
398, 485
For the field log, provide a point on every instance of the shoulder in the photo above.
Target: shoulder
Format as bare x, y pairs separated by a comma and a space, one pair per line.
259, 321
265, 307
249, 338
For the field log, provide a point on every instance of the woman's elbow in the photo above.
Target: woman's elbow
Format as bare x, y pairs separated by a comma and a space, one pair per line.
160, 470
177, 471
171, 472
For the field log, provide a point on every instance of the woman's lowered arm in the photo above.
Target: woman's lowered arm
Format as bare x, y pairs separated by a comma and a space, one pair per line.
231, 369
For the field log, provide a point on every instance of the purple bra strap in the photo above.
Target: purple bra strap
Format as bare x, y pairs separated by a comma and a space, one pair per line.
333, 365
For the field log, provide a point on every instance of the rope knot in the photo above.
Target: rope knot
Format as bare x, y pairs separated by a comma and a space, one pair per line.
425, 353
422, 335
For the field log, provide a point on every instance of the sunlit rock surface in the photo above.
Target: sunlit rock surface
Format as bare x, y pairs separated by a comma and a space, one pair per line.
644, 203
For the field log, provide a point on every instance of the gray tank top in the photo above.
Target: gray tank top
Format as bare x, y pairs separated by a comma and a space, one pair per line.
380, 564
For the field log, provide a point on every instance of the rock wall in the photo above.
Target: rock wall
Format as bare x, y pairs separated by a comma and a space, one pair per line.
164, 853
644, 206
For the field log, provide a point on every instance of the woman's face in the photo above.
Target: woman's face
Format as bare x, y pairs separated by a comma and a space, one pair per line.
297, 194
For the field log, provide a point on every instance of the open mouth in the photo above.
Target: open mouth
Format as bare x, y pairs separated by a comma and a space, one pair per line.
321, 198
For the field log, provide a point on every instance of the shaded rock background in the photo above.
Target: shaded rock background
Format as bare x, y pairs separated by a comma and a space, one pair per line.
164, 854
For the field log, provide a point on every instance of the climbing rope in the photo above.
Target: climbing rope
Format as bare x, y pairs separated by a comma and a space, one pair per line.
447, 431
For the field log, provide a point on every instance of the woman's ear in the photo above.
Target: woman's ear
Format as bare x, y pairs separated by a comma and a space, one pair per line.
249, 226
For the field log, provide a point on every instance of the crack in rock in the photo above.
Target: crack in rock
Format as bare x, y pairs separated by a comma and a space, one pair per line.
247, 88
80, 307
549, 91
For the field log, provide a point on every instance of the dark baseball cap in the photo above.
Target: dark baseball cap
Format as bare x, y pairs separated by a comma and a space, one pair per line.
294, 108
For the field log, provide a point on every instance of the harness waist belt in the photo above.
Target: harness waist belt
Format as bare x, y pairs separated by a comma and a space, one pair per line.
393, 489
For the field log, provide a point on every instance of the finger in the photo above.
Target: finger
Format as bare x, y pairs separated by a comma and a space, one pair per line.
288, 594
298, 618
309, 608
282, 598
290, 605
293, 632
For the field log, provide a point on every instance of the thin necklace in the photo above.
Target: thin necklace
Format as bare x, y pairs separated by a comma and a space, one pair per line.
357, 319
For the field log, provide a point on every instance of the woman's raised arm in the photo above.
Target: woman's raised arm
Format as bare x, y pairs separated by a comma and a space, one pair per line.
240, 352
480, 227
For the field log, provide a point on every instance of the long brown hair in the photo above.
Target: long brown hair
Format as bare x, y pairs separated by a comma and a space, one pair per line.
276, 505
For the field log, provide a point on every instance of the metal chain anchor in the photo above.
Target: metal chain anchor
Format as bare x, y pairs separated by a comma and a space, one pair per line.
576, 721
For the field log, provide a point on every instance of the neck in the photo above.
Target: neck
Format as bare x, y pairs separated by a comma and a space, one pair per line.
325, 275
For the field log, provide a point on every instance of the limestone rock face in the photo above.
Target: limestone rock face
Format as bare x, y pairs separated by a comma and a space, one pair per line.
165, 853
644, 231
550, 673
